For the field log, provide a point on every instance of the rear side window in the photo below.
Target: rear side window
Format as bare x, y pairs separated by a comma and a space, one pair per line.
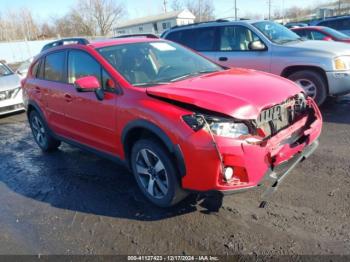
54, 67
201, 39
301, 33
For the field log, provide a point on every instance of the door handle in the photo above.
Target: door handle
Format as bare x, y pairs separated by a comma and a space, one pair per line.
37, 89
68, 97
223, 58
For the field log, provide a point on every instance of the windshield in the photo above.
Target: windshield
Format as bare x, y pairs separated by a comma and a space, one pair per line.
277, 33
335, 33
4, 70
152, 63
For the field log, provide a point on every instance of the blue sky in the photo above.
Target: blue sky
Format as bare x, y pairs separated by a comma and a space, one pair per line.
136, 8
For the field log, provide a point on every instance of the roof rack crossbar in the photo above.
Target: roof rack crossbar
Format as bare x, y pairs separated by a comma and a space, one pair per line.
137, 35
65, 41
199, 23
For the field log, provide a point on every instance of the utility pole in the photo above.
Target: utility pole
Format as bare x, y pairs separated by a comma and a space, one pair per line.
200, 10
236, 10
339, 3
165, 5
269, 9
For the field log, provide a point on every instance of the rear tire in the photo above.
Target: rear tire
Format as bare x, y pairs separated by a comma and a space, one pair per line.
41, 133
313, 84
155, 173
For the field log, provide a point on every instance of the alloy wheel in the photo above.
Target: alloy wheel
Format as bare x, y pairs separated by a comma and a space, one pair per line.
39, 131
152, 173
308, 86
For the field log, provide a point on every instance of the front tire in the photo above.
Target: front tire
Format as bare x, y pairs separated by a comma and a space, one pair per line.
313, 84
155, 173
41, 133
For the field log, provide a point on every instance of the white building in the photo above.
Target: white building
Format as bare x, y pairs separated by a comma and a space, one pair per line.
155, 24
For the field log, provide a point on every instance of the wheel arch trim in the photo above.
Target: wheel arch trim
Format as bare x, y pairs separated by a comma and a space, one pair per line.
174, 149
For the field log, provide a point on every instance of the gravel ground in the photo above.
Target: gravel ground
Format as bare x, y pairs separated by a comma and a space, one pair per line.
72, 202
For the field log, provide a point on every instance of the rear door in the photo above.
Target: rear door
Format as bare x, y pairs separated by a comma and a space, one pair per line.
50, 86
203, 40
234, 50
91, 121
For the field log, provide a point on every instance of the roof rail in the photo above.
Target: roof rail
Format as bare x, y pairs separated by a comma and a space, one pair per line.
199, 23
65, 41
137, 35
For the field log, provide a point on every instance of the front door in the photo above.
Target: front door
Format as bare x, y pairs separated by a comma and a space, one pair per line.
91, 121
235, 51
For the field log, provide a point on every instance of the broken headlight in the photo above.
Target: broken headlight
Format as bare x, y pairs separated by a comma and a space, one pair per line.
219, 126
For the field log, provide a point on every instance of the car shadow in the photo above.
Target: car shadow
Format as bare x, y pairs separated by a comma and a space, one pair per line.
79, 181
336, 110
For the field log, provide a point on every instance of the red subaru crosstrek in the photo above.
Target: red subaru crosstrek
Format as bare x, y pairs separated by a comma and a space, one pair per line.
180, 122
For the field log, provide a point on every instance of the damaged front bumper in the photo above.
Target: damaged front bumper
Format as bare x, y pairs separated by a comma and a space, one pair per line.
265, 164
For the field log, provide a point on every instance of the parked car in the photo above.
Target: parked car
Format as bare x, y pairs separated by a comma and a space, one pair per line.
10, 91
321, 33
180, 122
22, 70
320, 68
341, 24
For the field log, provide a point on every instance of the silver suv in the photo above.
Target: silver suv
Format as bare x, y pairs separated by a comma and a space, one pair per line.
321, 68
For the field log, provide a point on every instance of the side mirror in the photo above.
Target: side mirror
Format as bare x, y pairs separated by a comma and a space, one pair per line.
257, 46
87, 84
327, 38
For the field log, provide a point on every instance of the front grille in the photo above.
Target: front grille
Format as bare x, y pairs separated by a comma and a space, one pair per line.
276, 118
4, 95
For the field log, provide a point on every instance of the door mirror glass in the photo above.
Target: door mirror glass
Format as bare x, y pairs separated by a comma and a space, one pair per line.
87, 84
257, 46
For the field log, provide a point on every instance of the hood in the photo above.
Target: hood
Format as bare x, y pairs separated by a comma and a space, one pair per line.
240, 93
333, 47
9, 82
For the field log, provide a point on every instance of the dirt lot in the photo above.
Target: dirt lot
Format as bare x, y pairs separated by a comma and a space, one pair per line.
71, 202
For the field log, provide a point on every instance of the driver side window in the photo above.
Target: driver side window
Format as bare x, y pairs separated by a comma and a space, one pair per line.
81, 64
236, 38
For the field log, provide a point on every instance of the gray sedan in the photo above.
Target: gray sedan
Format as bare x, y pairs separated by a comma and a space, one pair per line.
10, 91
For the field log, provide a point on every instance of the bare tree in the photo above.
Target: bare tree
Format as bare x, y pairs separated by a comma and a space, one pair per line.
202, 9
177, 5
102, 14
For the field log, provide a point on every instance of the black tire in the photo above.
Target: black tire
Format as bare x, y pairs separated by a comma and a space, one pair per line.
315, 78
41, 133
154, 152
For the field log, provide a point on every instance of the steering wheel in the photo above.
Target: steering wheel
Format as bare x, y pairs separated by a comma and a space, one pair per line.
164, 70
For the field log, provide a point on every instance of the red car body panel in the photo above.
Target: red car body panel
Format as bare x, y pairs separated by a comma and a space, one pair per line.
238, 93
241, 92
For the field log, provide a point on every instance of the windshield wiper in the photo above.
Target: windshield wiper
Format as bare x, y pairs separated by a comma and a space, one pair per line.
193, 74
150, 84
